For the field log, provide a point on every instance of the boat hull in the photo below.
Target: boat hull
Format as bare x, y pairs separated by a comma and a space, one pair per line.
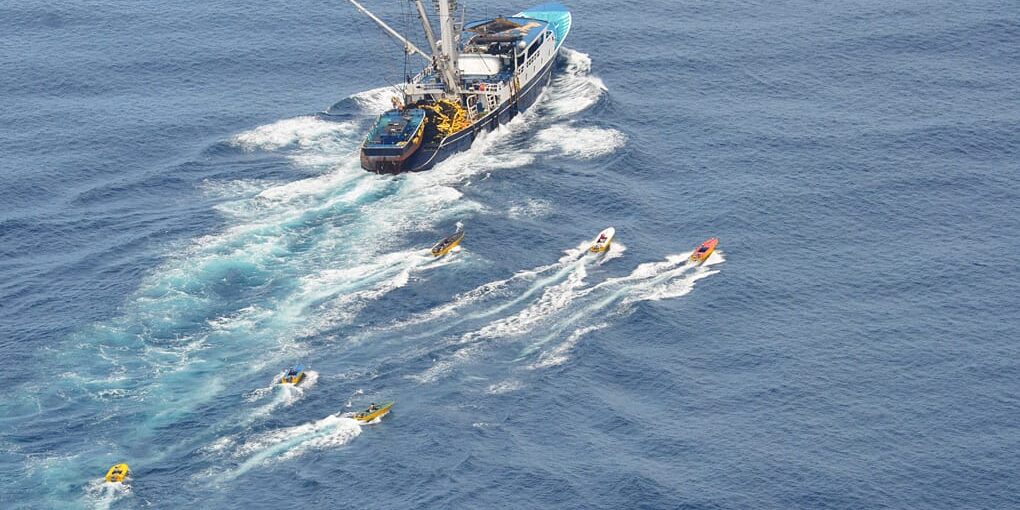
117, 473
294, 379
388, 163
387, 158
443, 247
603, 241
294, 375
378, 413
429, 155
703, 251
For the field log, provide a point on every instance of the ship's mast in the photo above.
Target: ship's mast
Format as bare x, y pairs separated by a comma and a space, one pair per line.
447, 74
448, 48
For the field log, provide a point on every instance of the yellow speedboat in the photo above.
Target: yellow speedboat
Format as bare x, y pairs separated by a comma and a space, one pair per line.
704, 250
117, 473
603, 241
374, 411
294, 375
448, 243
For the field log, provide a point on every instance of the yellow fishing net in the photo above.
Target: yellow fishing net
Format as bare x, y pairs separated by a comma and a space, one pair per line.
449, 117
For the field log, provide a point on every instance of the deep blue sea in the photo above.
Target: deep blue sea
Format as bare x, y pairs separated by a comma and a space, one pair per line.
184, 216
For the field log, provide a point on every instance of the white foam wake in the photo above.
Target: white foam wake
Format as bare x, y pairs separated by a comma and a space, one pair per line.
375, 101
669, 279
555, 296
553, 299
529, 208
579, 142
303, 132
573, 309
502, 288
284, 444
575, 89
101, 494
558, 292
560, 354
283, 395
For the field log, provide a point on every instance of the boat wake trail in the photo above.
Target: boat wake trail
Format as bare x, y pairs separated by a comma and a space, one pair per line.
307, 141
282, 445
673, 278
339, 295
456, 312
101, 494
283, 395
554, 287
571, 309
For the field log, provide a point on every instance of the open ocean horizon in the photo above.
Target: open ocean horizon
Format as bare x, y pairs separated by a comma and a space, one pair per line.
184, 217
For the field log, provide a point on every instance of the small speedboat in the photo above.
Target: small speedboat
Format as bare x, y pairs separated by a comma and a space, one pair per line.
294, 375
374, 411
448, 243
704, 250
117, 473
603, 240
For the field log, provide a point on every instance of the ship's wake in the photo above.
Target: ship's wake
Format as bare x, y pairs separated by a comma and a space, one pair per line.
305, 258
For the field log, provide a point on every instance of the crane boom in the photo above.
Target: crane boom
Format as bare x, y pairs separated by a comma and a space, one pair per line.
408, 46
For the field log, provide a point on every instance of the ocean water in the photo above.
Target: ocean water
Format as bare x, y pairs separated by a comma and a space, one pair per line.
184, 216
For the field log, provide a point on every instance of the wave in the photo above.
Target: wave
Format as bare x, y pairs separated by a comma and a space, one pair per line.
575, 89
553, 299
342, 294
374, 101
306, 132
559, 354
504, 387
579, 142
529, 208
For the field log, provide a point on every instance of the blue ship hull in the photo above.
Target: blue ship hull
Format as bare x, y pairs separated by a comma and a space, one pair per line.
431, 154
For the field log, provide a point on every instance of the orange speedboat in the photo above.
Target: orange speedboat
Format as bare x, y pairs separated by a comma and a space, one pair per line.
702, 252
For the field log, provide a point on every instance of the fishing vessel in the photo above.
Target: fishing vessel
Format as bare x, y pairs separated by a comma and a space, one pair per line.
475, 76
